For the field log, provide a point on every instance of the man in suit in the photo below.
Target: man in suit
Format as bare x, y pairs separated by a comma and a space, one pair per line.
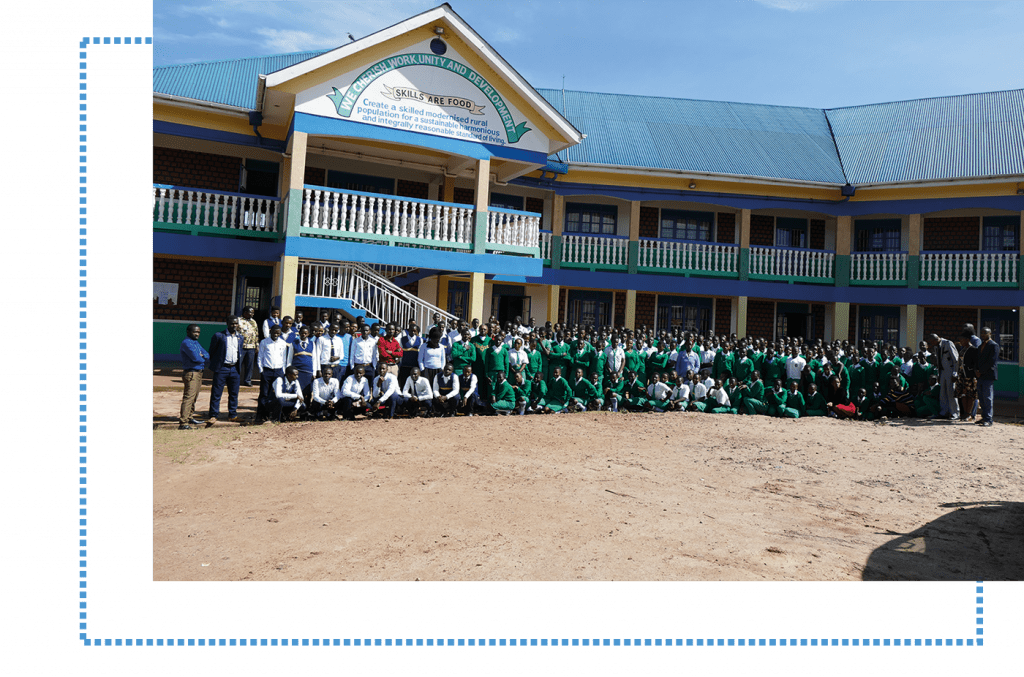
947, 359
987, 373
225, 361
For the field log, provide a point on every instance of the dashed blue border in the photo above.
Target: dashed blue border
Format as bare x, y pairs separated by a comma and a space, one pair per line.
368, 642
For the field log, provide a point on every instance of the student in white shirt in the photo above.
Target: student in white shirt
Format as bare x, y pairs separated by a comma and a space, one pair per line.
446, 392
432, 355
616, 358
273, 321
288, 395
364, 350
355, 394
794, 366
326, 394
386, 397
660, 394
331, 348
470, 396
416, 395
272, 356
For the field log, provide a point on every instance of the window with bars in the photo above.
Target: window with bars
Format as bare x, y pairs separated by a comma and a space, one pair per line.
681, 225
1000, 233
363, 183
506, 201
880, 326
879, 235
687, 318
791, 233
590, 218
1003, 324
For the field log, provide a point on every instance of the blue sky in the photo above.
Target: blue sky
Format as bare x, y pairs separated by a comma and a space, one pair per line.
785, 52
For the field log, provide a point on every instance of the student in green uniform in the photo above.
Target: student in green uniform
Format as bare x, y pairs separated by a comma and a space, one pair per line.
581, 356
536, 359
926, 404
503, 398
657, 362
863, 404
463, 352
776, 399
538, 394
597, 365
495, 361
481, 342
753, 395
614, 391
795, 405
558, 355
736, 394
522, 388
815, 404
636, 359
584, 393
634, 393
559, 392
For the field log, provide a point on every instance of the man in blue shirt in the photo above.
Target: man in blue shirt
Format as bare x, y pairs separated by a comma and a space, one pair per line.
225, 361
193, 361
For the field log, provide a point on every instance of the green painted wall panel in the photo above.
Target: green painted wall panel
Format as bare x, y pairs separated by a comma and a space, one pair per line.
167, 336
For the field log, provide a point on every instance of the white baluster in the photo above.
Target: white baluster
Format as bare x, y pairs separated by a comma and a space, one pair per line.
307, 197
315, 216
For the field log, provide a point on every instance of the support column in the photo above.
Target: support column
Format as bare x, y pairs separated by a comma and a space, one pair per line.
442, 292
476, 297
287, 279
830, 319
844, 240
841, 320
631, 309
741, 316
915, 327
482, 198
633, 246
557, 221
914, 222
293, 178
743, 224
553, 303
449, 189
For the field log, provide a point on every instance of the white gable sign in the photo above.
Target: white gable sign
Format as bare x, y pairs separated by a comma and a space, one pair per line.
419, 91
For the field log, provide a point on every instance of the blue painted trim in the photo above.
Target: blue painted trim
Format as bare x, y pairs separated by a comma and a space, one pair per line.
190, 132
311, 186
316, 124
340, 250
217, 192
607, 236
217, 247
968, 251
518, 212
808, 293
838, 208
791, 249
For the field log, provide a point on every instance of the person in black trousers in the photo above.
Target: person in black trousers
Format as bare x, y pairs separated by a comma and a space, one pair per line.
225, 359
987, 373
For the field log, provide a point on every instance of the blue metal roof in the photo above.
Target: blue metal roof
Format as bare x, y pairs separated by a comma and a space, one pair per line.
780, 142
951, 137
232, 82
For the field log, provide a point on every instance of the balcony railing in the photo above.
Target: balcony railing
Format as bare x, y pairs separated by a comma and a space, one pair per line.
511, 230
792, 265
371, 217
205, 211
605, 252
969, 269
688, 257
545, 245
878, 268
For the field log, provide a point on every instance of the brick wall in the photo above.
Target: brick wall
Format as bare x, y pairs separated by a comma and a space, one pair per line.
196, 170
817, 235
535, 204
726, 227
619, 315
818, 315
948, 322
723, 316
760, 319
204, 289
645, 309
413, 189
851, 335
562, 303
463, 196
762, 230
649, 222
960, 233
315, 176
414, 289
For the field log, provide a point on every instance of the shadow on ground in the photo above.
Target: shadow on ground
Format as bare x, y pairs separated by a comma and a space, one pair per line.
974, 542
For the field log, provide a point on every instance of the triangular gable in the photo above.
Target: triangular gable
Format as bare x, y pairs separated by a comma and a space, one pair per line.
393, 79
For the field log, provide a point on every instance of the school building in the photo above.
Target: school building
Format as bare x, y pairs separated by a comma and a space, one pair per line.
414, 170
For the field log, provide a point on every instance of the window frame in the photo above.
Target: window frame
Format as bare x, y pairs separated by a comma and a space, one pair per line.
876, 228
1009, 225
682, 215
591, 209
792, 225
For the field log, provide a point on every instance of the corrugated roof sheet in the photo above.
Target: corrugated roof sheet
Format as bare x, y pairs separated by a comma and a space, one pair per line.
950, 137
232, 82
780, 142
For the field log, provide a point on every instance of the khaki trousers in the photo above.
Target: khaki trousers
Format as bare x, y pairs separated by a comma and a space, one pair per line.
193, 382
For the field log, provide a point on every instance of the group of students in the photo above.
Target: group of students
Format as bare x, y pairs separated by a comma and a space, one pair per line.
333, 368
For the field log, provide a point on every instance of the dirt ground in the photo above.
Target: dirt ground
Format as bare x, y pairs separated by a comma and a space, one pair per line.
603, 496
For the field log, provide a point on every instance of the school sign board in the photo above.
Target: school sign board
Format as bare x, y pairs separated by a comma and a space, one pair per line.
419, 91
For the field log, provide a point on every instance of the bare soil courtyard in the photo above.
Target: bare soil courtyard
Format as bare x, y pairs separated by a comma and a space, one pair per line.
584, 497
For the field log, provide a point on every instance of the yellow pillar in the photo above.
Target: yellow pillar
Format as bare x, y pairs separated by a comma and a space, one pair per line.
294, 169
631, 308
841, 320
743, 223
442, 292
449, 189
553, 303
482, 196
288, 276
476, 297
634, 221
844, 235
557, 215
914, 222
741, 314
914, 325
